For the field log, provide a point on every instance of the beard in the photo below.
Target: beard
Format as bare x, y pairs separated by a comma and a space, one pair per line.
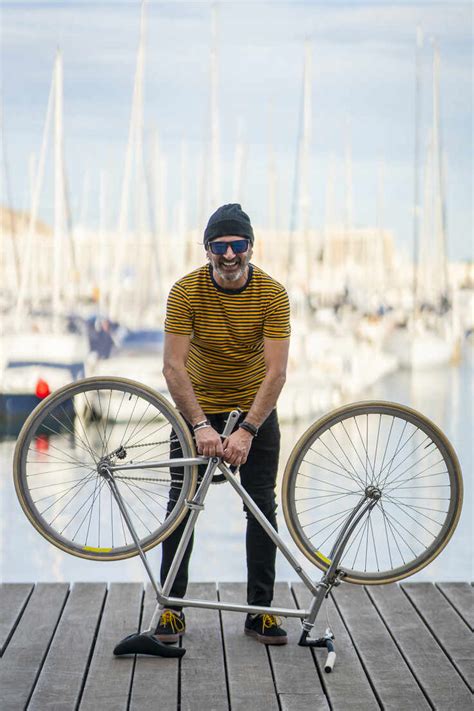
242, 263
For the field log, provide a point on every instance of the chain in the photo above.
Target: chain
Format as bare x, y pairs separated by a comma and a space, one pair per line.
149, 444
148, 478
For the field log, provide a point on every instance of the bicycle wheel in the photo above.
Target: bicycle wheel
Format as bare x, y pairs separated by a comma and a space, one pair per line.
383, 445
58, 454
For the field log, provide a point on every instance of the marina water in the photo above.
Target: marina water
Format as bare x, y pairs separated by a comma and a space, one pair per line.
445, 395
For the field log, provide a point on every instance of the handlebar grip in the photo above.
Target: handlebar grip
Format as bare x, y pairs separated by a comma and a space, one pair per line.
331, 658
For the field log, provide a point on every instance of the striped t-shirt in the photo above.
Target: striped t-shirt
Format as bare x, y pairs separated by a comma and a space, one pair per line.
226, 361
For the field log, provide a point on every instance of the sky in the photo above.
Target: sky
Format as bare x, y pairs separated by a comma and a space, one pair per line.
363, 59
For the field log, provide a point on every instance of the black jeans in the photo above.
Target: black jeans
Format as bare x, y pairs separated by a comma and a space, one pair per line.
258, 477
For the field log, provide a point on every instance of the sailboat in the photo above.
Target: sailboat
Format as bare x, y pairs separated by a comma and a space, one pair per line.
42, 348
429, 338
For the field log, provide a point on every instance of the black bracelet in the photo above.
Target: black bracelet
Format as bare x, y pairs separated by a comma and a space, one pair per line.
248, 427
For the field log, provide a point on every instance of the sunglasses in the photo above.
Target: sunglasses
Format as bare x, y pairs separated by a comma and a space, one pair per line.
238, 246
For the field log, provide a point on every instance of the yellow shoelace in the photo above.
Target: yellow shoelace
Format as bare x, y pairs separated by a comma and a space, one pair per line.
173, 620
270, 621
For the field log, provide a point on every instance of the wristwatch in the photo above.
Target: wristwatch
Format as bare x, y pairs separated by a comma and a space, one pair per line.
248, 427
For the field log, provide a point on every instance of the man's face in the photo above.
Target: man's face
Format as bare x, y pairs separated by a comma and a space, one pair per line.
229, 266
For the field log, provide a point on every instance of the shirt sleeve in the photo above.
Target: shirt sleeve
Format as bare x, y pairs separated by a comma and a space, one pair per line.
277, 317
179, 315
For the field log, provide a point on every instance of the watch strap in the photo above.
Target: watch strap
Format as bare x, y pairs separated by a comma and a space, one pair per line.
248, 427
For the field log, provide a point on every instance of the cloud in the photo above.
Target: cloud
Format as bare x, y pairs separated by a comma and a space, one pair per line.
363, 68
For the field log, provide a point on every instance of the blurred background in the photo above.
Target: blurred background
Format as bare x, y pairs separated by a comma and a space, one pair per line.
343, 129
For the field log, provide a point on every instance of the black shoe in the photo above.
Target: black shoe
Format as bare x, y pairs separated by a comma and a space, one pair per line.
171, 626
266, 628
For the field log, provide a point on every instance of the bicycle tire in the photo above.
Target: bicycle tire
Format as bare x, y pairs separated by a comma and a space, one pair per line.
326, 466
61, 444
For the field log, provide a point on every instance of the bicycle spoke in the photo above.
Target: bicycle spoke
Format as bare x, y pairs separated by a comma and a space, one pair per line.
348, 475
129, 419
415, 519
91, 509
318, 506
367, 460
377, 441
131, 484
393, 520
390, 483
129, 505
418, 477
343, 452
151, 494
52, 471
334, 486
331, 471
389, 463
374, 546
86, 478
418, 508
390, 471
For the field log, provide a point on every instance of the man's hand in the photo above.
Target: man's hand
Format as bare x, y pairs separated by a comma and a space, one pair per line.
209, 442
237, 447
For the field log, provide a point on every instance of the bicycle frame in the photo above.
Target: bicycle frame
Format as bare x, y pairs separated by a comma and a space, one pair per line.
319, 590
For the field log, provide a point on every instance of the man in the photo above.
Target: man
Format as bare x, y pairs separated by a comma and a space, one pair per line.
226, 347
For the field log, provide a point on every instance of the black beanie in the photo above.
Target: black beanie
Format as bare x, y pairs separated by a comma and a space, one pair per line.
228, 220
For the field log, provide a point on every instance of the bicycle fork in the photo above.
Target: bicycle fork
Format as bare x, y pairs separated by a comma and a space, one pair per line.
332, 577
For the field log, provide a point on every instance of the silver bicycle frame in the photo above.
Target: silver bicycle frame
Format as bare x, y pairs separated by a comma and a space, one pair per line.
319, 590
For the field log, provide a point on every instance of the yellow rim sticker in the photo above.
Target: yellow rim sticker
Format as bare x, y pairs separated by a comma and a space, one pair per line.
323, 557
96, 550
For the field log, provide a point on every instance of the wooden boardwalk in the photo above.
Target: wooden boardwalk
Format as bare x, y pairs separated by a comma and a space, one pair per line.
398, 647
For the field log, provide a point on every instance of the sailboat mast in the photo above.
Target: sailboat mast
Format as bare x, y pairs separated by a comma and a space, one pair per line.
135, 123
58, 192
416, 170
215, 127
239, 161
439, 211
305, 164
272, 177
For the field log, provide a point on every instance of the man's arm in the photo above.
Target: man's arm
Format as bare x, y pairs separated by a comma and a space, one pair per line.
237, 446
176, 350
276, 360
175, 355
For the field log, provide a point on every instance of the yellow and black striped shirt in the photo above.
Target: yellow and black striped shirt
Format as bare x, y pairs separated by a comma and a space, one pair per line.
226, 361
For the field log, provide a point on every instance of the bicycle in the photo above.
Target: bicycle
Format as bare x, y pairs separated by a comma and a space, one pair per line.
371, 493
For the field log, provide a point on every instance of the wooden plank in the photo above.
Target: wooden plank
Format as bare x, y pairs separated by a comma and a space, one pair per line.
62, 675
204, 658
348, 679
294, 668
451, 632
461, 597
299, 702
13, 598
429, 664
389, 674
22, 660
249, 674
155, 679
109, 678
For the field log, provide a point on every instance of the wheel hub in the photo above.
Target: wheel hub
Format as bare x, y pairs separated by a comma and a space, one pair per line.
373, 492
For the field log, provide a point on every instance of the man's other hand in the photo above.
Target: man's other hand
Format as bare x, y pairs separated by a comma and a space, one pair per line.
209, 442
237, 447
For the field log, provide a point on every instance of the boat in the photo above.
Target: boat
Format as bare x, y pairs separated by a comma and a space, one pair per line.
33, 365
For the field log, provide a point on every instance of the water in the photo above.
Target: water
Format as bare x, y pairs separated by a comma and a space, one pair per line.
444, 395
